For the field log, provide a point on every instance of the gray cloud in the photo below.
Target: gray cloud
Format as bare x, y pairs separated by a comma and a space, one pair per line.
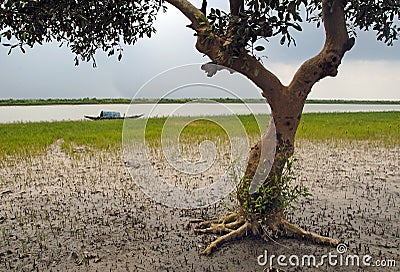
49, 71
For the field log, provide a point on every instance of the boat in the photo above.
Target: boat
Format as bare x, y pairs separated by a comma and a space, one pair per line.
112, 115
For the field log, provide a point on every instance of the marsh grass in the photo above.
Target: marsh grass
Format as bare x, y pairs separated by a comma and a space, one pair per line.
94, 100
379, 127
29, 139
34, 138
216, 127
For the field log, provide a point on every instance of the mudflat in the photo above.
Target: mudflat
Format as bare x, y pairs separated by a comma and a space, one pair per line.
82, 211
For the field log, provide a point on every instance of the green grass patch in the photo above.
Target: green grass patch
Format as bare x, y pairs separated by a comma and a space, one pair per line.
205, 128
382, 127
94, 100
34, 138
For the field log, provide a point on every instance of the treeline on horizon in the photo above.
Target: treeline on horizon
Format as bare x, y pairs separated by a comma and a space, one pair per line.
87, 100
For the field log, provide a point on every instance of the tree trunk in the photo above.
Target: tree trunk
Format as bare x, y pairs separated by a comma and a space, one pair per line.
260, 190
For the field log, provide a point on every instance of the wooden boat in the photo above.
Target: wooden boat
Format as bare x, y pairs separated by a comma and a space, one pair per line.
111, 115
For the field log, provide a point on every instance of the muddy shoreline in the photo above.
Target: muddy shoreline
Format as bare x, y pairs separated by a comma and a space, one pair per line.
85, 213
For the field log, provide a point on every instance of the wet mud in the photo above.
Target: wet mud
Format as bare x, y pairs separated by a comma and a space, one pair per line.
83, 212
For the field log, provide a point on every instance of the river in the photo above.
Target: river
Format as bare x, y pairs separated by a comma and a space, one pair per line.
12, 114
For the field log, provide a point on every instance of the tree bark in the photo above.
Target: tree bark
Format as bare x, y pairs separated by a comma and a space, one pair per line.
266, 163
286, 104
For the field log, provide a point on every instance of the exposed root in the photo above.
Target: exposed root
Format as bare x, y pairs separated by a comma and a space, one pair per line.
234, 226
316, 237
222, 225
231, 217
232, 234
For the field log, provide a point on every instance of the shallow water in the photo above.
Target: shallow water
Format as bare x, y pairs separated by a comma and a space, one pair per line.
10, 114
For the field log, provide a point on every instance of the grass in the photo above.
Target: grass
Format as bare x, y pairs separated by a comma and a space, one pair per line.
63, 101
87, 100
216, 126
33, 138
367, 126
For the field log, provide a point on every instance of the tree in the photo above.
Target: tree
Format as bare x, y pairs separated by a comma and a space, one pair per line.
229, 38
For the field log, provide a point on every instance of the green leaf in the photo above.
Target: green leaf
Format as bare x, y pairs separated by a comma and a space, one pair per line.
283, 39
297, 27
259, 48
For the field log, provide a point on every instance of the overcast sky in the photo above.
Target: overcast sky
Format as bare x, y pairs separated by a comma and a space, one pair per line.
371, 70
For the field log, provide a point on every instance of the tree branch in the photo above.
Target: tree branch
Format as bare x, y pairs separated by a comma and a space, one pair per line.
267, 81
326, 63
211, 45
190, 11
236, 6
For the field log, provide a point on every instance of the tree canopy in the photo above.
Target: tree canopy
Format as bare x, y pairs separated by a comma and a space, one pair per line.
88, 26
85, 26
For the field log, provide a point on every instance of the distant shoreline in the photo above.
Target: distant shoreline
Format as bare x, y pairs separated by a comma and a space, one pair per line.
95, 101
